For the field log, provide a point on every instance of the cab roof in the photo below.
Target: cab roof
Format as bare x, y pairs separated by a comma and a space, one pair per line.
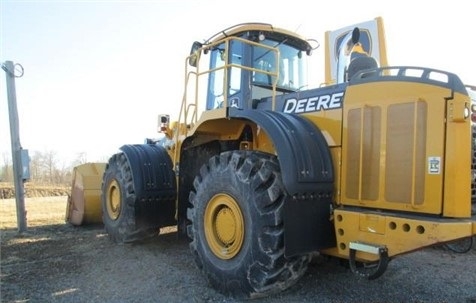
270, 32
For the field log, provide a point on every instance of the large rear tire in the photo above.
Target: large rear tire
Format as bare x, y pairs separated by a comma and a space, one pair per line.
237, 228
118, 203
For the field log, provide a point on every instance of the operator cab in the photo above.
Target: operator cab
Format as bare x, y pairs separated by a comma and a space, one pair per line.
252, 62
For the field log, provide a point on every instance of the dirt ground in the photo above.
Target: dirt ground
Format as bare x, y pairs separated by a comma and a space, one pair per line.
57, 262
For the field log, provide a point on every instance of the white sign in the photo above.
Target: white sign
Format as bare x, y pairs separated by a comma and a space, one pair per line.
434, 165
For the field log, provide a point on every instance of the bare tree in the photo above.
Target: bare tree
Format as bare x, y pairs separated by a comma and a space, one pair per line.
46, 167
81, 158
7, 168
62, 174
50, 162
36, 171
43, 167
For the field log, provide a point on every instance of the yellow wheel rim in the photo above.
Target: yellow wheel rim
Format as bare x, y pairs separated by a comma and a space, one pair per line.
113, 200
224, 226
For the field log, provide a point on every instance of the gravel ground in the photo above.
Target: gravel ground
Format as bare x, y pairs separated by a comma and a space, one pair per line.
64, 263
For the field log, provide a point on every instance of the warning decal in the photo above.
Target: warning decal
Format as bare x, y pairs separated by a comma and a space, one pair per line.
434, 165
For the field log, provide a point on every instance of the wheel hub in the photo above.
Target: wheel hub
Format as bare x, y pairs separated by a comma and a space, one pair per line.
113, 200
224, 226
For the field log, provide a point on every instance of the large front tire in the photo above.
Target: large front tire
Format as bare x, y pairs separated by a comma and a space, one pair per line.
118, 203
237, 228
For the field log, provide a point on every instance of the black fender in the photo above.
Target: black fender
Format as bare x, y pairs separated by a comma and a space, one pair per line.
308, 176
305, 158
154, 182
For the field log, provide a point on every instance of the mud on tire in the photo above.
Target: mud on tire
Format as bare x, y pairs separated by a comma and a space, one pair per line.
245, 258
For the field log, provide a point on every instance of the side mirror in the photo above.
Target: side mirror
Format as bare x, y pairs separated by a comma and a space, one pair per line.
195, 53
356, 35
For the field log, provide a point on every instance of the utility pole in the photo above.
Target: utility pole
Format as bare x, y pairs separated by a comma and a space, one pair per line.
18, 168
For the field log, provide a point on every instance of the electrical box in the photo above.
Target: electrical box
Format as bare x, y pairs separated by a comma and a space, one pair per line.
25, 165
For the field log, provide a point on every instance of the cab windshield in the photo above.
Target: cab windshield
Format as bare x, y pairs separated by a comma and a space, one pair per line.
288, 66
251, 71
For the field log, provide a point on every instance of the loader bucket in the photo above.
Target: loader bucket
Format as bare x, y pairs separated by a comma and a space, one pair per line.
84, 203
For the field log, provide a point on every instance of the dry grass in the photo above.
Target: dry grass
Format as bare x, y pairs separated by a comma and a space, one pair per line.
33, 190
39, 211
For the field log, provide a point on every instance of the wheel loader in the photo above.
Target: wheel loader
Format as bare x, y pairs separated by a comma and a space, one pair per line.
261, 171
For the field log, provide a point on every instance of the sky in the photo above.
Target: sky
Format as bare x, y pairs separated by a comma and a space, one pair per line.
98, 73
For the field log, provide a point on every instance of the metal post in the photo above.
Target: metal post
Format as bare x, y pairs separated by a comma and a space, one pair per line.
8, 67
